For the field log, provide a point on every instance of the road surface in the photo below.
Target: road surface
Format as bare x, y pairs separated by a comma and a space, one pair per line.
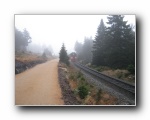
39, 85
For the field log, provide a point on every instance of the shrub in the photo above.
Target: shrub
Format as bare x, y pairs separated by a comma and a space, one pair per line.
79, 74
83, 91
131, 69
99, 69
82, 78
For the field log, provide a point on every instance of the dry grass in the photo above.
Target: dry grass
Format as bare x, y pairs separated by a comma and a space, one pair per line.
29, 57
26, 57
120, 74
107, 99
73, 84
116, 73
94, 97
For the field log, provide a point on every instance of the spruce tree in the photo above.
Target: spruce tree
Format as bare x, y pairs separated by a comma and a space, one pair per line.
27, 38
78, 48
63, 57
99, 45
87, 50
121, 52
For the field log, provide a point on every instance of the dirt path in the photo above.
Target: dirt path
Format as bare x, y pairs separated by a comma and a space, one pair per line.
39, 85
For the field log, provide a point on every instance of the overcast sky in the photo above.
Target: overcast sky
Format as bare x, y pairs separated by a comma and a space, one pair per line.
57, 29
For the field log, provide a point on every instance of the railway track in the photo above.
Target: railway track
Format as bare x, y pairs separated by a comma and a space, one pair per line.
121, 86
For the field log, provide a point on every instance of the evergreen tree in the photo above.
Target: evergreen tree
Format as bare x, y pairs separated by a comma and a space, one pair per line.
63, 57
84, 51
121, 52
99, 45
87, 50
22, 39
78, 48
18, 39
114, 46
27, 38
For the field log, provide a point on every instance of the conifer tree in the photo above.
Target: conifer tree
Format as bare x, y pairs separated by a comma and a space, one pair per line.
22, 39
63, 57
114, 46
87, 50
99, 45
121, 52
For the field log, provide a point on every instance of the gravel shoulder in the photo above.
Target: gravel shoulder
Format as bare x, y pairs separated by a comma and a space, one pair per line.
68, 95
122, 100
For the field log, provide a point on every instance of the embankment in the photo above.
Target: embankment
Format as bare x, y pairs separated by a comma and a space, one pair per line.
22, 66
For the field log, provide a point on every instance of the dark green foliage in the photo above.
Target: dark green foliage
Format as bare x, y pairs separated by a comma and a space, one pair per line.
114, 46
83, 91
99, 45
82, 78
131, 69
79, 74
121, 42
63, 57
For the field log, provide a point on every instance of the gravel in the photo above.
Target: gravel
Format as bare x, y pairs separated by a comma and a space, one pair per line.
67, 93
122, 100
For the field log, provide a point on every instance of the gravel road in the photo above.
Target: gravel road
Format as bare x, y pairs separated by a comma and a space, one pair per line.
39, 85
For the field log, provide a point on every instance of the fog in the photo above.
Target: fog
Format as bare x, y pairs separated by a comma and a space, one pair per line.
50, 31
38, 48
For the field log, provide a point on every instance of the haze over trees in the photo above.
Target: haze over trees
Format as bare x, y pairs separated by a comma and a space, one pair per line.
40, 49
23, 44
22, 39
84, 50
113, 46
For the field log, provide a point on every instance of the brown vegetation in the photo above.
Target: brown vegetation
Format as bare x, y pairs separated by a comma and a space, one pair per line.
28, 57
95, 96
116, 73
26, 60
120, 74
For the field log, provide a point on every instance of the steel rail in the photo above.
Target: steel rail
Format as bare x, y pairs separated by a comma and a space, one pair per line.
117, 82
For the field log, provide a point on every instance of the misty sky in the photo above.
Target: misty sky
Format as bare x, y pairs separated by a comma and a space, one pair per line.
57, 29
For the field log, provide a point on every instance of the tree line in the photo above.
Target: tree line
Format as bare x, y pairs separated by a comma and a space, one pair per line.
22, 39
84, 50
113, 46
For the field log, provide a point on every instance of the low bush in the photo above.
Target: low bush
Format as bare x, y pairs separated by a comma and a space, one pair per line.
79, 74
131, 69
83, 91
